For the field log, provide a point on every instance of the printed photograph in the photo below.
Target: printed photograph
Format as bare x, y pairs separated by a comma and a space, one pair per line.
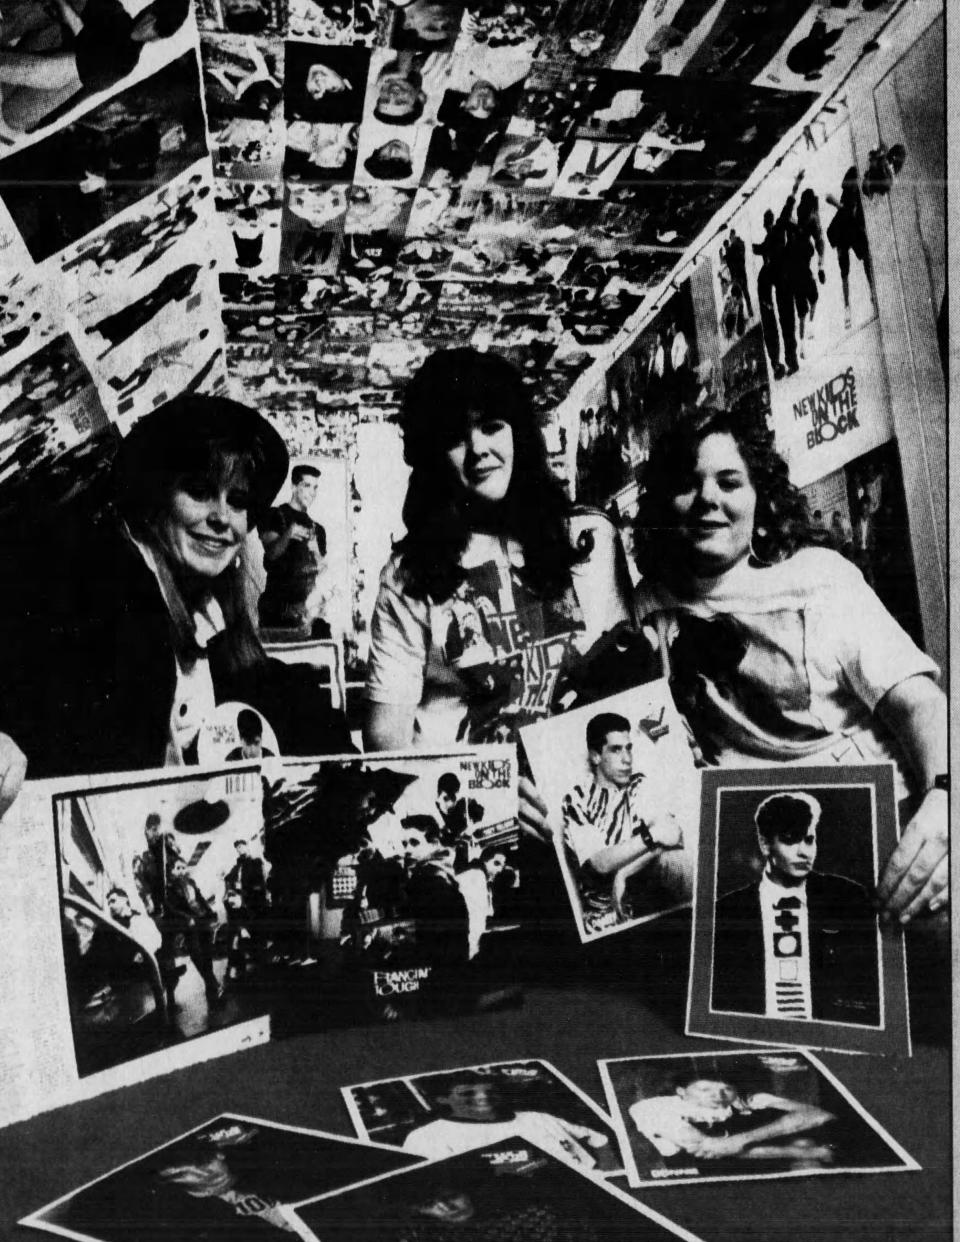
163, 901
395, 878
506, 1190
443, 1114
732, 1116
787, 944
622, 792
231, 1177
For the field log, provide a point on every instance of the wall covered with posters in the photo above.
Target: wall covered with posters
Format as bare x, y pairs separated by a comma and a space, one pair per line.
296, 200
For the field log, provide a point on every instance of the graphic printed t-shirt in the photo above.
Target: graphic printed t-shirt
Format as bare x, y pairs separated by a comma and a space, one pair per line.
818, 651
487, 660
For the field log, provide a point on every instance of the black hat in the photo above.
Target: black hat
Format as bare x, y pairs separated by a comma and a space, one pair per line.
176, 438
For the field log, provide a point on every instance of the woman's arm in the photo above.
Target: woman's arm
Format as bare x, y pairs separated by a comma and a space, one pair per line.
13, 769
916, 877
388, 726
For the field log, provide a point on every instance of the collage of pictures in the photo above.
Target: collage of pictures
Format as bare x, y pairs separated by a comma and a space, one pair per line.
471, 539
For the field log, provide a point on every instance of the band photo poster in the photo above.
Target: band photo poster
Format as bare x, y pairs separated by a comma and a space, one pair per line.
788, 946
140, 891
731, 1116
441, 1114
622, 792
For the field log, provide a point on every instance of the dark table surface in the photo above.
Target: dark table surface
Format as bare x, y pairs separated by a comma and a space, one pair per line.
610, 999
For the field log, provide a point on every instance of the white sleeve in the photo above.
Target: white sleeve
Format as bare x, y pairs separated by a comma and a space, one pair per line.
399, 642
426, 1141
665, 1132
873, 651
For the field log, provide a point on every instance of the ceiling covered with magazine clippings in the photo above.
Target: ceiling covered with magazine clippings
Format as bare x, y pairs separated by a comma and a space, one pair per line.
391, 178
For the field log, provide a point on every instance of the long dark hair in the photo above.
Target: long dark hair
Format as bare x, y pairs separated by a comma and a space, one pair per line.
438, 401
781, 523
210, 439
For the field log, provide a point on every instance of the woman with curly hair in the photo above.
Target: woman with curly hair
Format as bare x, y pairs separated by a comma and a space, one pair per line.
497, 583
777, 650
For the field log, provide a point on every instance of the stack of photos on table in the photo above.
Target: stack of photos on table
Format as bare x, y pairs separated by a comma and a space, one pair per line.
509, 1150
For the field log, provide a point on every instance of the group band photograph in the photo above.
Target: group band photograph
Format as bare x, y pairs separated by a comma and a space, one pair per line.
474, 618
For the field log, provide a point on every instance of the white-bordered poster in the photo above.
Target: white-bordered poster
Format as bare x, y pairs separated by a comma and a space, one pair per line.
736, 1115
787, 945
622, 794
455, 1110
229, 1177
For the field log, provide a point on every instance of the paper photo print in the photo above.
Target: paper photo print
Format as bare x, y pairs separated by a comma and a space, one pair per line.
511, 1189
162, 886
787, 946
619, 781
443, 1114
229, 1178
394, 877
730, 1116
304, 567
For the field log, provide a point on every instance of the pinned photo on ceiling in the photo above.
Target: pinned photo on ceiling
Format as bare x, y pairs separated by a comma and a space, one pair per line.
590, 168
826, 43
242, 17
378, 208
586, 33
738, 46
53, 61
74, 180
787, 943
324, 85
666, 35
312, 229
405, 87
320, 153
529, 162
249, 215
423, 25
242, 78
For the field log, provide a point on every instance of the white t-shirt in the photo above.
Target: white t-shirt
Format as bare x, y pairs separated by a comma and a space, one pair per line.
822, 652
446, 1137
486, 660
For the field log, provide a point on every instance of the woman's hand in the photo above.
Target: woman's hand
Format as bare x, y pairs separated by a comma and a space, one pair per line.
533, 811
13, 768
917, 875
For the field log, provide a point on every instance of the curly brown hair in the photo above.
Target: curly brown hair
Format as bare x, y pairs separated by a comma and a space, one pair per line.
782, 522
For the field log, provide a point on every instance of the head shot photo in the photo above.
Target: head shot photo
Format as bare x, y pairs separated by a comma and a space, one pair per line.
787, 936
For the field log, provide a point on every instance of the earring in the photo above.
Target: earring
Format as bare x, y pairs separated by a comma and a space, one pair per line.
754, 555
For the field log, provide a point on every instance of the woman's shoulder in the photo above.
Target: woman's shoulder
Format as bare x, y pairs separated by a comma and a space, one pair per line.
819, 571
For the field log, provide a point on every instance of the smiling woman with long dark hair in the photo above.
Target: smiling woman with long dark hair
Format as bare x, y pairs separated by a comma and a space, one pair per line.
777, 649
497, 582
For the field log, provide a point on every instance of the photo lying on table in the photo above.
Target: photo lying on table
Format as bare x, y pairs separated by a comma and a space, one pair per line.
228, 1178
787, 946
622, 793
730, 1116
443, 1114
161, 886
392, 880
507, 1190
